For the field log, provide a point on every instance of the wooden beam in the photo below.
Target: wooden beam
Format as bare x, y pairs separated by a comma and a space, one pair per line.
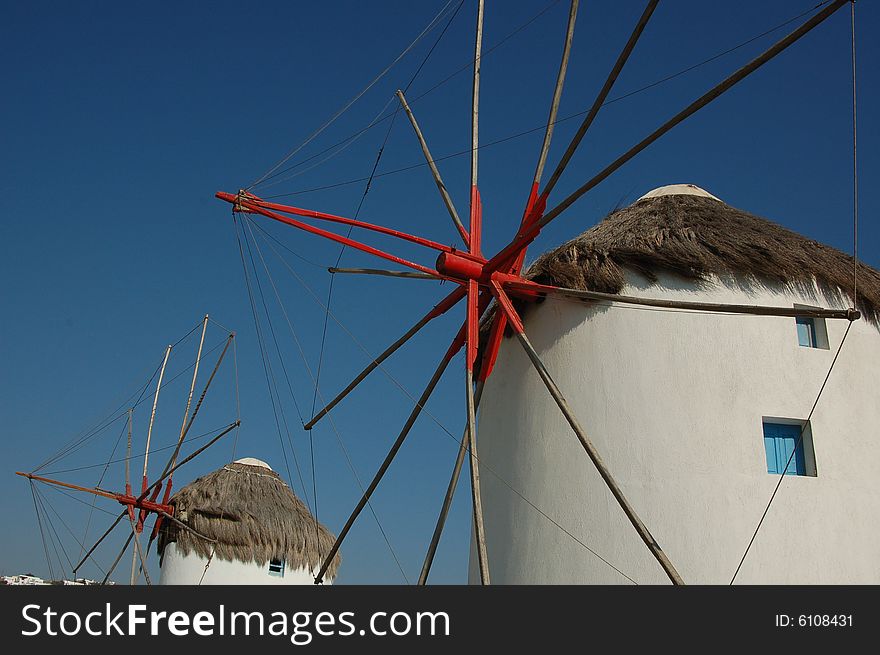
192, 388
188, 459
170, 464
695, 106
138, 553
557, 93
134, 574
100, 540
444, 193
475, 99
439, 309
376, 271
595, 457
450, 492
153, 413
118, 557
383, 468
600, 98
529, 233
476, 495
721, 308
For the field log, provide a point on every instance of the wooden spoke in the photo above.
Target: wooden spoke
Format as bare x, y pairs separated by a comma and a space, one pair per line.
444, 193
475, 100
603, 94
185, 526
557, 94
252, 207
562, 403
138, 554
528, 235
450, 492
133, 578
472, 345
476, 496
188, 459
153, 414
375, 271
192, 387
118, 557
392, 453
759, 310
438, 310
100, 541
695, 106
170, 465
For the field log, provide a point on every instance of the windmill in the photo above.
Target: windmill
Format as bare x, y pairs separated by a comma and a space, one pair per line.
489, 286
139, 505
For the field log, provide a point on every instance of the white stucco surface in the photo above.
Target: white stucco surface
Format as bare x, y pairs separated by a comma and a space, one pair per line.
180, 569
674, 402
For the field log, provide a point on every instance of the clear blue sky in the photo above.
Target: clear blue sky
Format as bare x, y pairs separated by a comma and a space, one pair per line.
120, 121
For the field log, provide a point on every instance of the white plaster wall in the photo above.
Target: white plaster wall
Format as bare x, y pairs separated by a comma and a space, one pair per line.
674, 403
180, 569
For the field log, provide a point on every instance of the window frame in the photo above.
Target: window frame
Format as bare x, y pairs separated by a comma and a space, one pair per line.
279, 567
818, 331
806, 446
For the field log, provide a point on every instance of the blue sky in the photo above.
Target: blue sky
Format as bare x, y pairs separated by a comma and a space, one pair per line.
120, 122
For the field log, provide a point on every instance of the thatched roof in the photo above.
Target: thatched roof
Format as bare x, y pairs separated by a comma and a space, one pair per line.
253, 515
686, 232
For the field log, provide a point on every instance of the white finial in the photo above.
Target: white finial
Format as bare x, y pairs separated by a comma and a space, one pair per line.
679, 190
253, 461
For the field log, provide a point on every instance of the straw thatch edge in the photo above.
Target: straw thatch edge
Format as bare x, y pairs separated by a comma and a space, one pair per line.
700, 240
253, 515
697, 238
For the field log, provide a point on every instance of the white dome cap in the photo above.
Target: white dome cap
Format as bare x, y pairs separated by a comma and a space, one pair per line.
253, 461
678, 190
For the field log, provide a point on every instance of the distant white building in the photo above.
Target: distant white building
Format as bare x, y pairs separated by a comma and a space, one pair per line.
695, 414
33, 580
26, 579
264, 534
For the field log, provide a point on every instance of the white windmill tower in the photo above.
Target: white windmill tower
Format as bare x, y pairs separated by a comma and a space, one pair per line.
697, 413
766, 299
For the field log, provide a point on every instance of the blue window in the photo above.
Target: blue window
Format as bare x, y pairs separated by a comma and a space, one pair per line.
806, 331
276, 567
781, 440
811, 332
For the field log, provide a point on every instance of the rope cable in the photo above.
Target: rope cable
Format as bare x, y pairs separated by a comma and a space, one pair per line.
56, 541
234, 450
45, 503
260, 343
42, 534
305, 361
380, 117
80, 500
357, 96
77, 443
425, 410
137, 457
341, 443
286, 376
360, 205
66, 527
469, 64
98, 484
570, 117
852, 6
791, 457
59, 457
